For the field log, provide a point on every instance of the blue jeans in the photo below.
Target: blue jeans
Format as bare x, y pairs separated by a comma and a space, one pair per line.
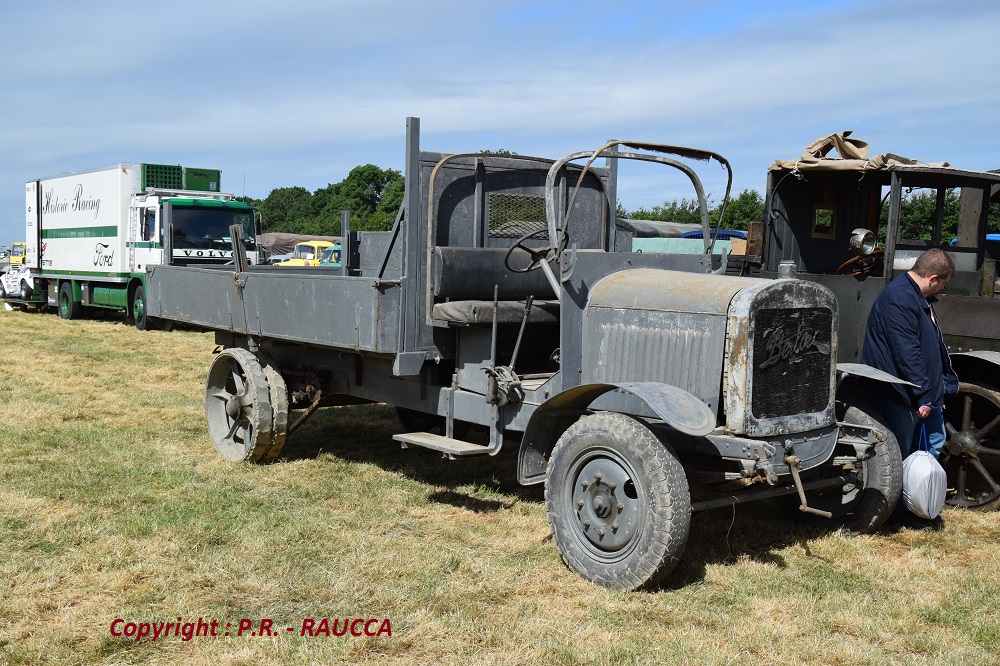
935, 431
905, 422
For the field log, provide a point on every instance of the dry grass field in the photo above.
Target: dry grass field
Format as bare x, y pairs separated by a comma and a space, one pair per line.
115, 506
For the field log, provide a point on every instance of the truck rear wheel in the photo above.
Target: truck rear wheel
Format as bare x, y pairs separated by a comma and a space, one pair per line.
618, 502
238, 406
278, 394
25, 290
68, 308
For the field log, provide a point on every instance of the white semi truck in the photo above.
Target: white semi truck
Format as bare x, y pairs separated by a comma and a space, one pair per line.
90, 236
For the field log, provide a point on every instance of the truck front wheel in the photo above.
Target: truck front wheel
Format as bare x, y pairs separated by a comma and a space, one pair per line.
862, 507
618, 502
68, 308
138, 308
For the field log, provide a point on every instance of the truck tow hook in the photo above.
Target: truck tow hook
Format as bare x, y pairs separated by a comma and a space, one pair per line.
793, 465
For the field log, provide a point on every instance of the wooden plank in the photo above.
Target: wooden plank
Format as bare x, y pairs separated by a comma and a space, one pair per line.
447, 446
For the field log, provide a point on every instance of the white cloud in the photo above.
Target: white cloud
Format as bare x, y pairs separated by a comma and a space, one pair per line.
287, 90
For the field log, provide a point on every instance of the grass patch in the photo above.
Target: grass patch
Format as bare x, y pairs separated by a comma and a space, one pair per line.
114, 504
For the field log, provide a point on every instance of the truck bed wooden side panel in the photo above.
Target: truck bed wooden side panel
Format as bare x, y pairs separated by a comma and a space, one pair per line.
301, 305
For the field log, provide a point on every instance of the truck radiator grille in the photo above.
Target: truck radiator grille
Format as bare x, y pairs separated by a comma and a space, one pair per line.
791, 361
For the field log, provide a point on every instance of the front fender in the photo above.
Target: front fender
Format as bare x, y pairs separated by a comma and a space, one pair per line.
977, 367
845, 370
678, 408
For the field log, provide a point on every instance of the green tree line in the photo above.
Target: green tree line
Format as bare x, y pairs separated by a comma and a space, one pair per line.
372, 195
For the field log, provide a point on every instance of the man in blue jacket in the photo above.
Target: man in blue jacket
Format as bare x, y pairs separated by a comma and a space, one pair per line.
903, 338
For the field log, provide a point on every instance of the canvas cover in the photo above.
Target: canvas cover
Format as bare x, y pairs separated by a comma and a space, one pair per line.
852, 156
282, 243
657, 228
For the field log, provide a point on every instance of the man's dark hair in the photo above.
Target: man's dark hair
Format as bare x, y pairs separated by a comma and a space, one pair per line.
934, 261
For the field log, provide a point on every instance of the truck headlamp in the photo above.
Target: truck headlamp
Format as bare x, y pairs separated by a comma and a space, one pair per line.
863, 242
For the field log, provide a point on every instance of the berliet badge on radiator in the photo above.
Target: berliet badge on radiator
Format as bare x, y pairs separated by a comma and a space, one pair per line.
785, 344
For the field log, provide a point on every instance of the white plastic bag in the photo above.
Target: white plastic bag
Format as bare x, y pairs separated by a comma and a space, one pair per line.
924, 484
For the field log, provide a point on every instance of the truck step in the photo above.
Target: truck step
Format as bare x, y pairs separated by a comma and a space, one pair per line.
449, 447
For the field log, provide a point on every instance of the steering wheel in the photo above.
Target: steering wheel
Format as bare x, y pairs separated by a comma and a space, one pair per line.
538, 255
861, 265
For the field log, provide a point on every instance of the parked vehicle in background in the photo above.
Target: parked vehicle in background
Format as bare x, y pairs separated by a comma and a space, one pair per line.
16, 254
640, 386
92, 235
15, 282
306, 254
330, 257
721, 234
823, 220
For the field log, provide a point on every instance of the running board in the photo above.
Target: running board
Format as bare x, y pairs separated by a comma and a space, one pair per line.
450, 448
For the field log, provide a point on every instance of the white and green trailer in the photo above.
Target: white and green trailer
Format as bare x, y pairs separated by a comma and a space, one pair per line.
92, 235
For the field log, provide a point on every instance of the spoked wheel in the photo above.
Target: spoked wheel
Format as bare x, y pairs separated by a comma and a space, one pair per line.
971, 454
618, 502
238, 406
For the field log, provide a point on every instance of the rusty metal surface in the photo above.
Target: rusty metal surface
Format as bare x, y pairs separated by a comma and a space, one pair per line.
657, 289
658, 325
682, 410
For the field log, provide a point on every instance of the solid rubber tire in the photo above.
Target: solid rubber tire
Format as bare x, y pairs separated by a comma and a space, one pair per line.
249, 436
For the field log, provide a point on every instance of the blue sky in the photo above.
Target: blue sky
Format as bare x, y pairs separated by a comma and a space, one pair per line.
291, 93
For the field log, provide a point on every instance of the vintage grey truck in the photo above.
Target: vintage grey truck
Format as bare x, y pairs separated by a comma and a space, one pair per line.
835, 216
638, 387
